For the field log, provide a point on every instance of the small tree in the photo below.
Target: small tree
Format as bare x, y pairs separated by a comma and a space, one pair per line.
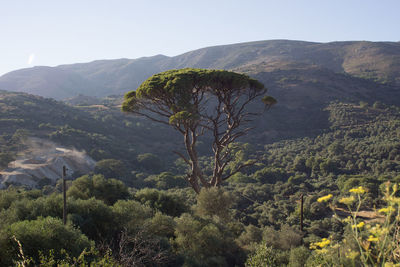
196, 101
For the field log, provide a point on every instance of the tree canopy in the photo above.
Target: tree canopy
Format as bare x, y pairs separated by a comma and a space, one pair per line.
197, 102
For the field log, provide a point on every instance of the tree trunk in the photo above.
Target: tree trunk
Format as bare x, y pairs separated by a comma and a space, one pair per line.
194, 183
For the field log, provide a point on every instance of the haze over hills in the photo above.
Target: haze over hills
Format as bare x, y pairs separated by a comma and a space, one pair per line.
375, 61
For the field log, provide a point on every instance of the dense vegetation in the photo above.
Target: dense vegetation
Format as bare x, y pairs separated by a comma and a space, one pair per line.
155, 219
333, 140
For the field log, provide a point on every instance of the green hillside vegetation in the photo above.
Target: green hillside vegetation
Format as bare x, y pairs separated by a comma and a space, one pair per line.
160, 221
332, 139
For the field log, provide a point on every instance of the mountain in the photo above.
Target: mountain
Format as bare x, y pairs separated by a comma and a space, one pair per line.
375, 61
303, 76
48, 82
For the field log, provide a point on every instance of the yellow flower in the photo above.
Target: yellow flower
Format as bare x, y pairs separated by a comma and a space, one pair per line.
347, 200
325, 198
386, 210
371, 238
358, 190
347, 220
325, 242
359, 225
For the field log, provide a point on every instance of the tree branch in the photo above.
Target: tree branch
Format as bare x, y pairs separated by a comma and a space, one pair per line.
238, 169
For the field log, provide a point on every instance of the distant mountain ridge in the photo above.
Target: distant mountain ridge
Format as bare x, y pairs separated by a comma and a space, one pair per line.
375, 61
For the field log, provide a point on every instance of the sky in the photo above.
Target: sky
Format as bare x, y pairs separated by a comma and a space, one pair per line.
55, 32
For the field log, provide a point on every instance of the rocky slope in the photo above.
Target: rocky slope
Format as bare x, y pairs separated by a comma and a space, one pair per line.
45, 165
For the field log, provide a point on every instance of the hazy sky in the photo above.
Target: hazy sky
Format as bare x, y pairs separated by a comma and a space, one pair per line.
54, 32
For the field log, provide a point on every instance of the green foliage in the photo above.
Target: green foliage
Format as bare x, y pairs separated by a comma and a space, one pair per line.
150, 162
252, 235
214, 202
110, 168
269, 101
241, 153
284, 239
87, 257
130, 214
298, 256
161, 225
360, 149
183, 117
205, 243
43, 234
165, 180
26, 207
241, 178
180, 98
93, 217
175, 87
7, 197
169, 204
270, 175
108, 190
266, 256
367, 242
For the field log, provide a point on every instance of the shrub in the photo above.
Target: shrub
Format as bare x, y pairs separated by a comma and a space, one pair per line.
43, 235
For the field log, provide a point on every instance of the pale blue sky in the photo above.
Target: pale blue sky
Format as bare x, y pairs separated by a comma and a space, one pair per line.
54, 32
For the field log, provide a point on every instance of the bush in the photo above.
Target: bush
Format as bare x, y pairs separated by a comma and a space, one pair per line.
43, 235
111, 168
284, 239
169, 204
214, 202
166, 180
150, 162
93, 217
107, 190
205, 243
267, 256
298, 256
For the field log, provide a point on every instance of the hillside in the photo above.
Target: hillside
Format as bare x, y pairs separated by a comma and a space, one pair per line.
102, 131
260, 205
332, 132
375, 61
305, 78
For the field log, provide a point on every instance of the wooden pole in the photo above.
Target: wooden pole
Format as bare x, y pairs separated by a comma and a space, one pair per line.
301, 212
64, 173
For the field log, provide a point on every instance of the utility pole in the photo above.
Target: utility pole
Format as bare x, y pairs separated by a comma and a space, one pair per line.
64, 173
301, 212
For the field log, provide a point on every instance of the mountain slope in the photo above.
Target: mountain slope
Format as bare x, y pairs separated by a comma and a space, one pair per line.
304, 77
376, 61
102, 131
